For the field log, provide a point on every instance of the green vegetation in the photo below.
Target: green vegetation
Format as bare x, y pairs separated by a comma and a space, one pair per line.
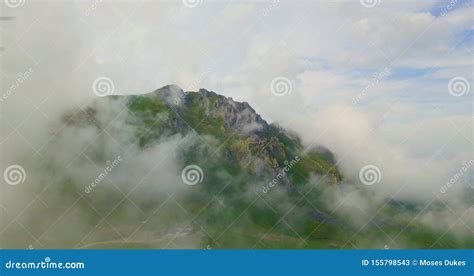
231, 208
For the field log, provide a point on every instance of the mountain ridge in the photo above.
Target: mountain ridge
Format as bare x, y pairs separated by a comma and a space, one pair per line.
209, 113
257, 184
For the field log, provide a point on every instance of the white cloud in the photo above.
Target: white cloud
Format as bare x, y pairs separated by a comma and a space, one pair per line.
329, 51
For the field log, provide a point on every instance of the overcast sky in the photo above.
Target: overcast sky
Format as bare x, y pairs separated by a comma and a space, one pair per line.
381, 82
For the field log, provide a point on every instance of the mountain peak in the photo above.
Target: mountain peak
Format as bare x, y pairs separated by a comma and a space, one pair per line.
206, 104
169, 93
238, 154
235, 128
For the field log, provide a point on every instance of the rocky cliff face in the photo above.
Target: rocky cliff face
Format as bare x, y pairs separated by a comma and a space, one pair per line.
240, 156
177, 169
234, 131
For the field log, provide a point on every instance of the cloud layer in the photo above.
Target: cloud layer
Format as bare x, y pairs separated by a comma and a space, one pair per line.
370, 83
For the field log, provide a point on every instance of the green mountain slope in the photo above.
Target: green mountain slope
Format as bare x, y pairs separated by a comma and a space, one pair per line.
248, 166
254, 185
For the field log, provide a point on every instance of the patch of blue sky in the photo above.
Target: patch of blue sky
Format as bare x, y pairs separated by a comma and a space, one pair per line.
402, 73
315, 63
464, 38
427, 96
441, 98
